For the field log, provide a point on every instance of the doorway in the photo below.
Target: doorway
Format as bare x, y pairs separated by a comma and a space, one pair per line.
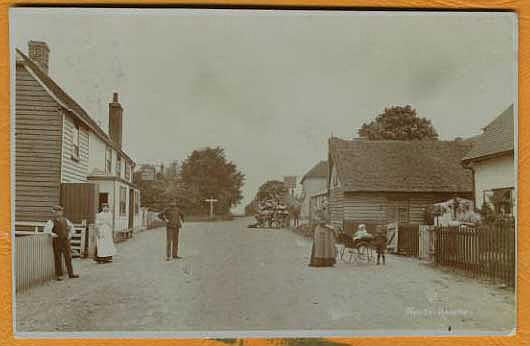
103, 199
131, 209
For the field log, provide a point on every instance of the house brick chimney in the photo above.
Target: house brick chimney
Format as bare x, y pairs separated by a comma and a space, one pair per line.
39, 53
115, 120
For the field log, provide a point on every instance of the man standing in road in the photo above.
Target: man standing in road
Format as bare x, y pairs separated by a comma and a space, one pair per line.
174, 219
61, 230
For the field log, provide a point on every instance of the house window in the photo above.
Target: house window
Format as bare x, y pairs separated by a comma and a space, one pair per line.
118, 165
127, 170
75, 142
403, 214
123, 201
501, 200
108, 160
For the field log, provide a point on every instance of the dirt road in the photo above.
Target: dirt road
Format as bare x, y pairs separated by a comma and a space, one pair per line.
235, 278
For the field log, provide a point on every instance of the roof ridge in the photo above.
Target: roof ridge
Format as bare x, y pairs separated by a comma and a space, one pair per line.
63, 96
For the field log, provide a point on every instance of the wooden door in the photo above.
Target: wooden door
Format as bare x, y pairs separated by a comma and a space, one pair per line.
80, 201
408, 239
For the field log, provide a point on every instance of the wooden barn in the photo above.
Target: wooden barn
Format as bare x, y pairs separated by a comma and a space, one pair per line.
380, 182
62, 156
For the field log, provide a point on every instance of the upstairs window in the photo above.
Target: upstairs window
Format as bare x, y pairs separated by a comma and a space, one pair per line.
75, 142
108, 160
118, 166
127, 170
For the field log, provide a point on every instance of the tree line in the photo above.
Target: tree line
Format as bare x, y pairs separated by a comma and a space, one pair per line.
205, 173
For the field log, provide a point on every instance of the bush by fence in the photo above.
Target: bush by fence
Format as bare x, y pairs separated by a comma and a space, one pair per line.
486, 251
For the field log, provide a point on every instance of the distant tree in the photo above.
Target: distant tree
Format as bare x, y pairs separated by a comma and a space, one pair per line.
272, 189
398, 123
151, 190
206, 173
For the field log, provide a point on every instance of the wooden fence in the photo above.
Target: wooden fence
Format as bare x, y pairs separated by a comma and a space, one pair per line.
486, 251
34, 261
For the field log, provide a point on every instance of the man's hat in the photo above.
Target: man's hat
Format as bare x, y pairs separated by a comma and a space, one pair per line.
57, 208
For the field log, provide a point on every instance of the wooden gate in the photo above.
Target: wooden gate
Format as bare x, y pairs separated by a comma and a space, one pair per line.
426, 242
408, 239
80, 202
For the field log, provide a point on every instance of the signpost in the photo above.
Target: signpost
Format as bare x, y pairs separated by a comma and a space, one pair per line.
211, 200
290, 183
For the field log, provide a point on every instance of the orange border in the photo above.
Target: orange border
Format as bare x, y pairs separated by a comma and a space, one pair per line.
521, 7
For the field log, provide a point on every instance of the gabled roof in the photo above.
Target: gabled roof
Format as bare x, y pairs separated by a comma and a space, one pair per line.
320, 170
66, 101
497, 137
401, 166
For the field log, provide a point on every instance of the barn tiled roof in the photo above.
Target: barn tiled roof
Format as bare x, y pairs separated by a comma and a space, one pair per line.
497, 137
401, 166
320, 170
69, 102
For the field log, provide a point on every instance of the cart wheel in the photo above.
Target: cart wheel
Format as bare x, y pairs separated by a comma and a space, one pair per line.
364, 252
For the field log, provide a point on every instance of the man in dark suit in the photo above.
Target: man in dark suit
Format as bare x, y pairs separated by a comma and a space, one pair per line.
174, 219
61, 230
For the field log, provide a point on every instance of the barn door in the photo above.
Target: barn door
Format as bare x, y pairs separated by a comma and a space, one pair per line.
79, 201
408, 239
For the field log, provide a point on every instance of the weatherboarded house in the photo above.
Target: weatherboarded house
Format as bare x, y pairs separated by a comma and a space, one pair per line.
492, 162
379, 182
62, 155
313, 182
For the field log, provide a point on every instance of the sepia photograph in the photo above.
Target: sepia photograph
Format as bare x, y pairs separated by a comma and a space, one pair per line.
199, 172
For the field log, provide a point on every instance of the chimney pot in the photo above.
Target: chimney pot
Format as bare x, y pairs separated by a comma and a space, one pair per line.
115, 97
39, 53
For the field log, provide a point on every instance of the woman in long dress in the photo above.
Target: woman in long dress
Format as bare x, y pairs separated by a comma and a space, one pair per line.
324, 252
104, 242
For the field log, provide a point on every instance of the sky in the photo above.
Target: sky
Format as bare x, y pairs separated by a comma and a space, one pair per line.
272, 86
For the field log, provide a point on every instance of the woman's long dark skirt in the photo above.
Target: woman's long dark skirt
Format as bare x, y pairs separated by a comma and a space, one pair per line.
320, 262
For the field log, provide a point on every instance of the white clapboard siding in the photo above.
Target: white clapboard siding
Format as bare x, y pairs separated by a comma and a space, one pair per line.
74, 171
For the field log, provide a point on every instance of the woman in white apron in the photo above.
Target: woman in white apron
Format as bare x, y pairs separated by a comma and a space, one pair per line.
104, 242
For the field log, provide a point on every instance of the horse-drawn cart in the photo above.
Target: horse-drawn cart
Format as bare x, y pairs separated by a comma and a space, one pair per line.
271, 214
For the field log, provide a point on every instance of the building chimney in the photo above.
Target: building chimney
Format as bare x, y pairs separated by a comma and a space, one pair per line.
39, 53
115, 120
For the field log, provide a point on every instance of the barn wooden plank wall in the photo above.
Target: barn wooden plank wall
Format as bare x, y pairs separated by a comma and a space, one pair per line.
38, 148
336, 208
34, 262
385, 207
74, 171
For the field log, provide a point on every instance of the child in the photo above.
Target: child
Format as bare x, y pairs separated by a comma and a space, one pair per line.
380, 243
